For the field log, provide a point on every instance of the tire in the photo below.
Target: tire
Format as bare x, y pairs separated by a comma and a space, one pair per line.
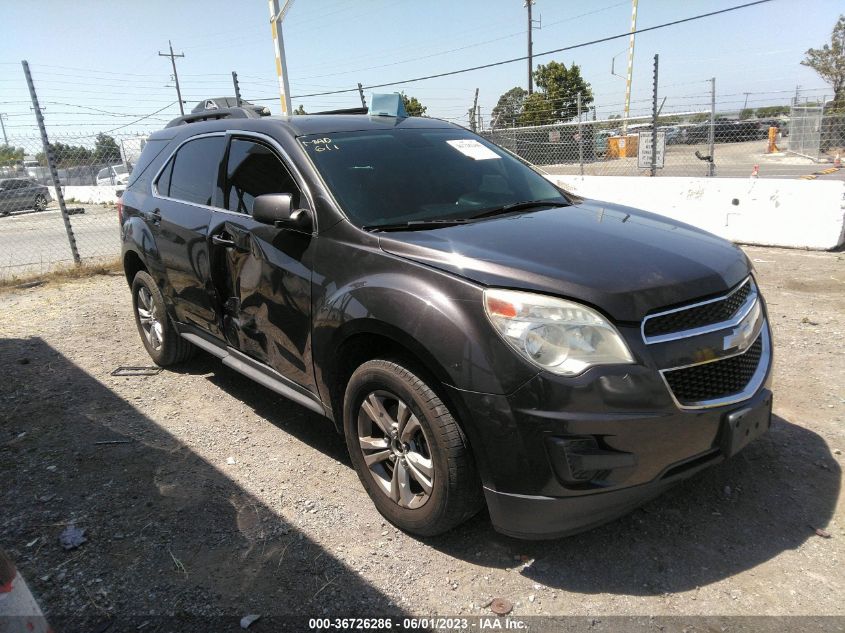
158, 334
421, 438
40, 203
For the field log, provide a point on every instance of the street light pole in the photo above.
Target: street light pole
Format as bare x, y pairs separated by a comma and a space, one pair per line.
277, 15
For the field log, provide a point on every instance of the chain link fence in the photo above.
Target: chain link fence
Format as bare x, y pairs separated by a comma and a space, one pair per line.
689, 144
36, 234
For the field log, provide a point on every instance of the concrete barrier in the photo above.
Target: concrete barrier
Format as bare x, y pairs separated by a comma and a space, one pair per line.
772, 212
105, 194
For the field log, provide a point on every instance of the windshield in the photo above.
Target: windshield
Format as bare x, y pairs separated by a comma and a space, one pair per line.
119, 169
383, 177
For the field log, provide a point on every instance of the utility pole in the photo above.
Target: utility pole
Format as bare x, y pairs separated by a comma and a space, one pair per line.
795, 100
173, 57
630, 74
3, 125
237, 89
361, 94
745, 105
473, 121
277, 15
531, 27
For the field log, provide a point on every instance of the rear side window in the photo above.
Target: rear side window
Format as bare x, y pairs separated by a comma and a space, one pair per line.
254, 169
163, 182
195, 170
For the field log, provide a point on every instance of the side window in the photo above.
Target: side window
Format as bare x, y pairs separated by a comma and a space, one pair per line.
163, 182
253, 169
195, 170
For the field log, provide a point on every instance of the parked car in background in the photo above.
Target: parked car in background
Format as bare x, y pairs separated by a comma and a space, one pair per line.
725, 131
114, 175
19, 194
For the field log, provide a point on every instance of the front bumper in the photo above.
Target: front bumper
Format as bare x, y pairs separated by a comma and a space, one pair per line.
562, 455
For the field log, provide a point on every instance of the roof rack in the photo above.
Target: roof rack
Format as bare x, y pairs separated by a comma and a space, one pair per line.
344, 111
210, 115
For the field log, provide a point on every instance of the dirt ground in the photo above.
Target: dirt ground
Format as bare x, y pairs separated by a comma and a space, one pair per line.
202, 493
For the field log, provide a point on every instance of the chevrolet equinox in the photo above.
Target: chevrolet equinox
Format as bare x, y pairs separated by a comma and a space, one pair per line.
480, 336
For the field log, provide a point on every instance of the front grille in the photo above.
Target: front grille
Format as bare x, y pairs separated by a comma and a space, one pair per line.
698, 316
717, 379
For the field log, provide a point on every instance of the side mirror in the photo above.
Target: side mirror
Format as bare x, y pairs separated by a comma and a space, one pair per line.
277, 210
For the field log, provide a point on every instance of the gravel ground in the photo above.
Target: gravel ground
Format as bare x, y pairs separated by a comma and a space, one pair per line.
202, 493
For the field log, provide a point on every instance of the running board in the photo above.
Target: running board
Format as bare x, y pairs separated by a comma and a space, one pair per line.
258, 372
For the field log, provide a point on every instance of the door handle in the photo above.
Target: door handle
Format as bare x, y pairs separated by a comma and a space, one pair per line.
217, 240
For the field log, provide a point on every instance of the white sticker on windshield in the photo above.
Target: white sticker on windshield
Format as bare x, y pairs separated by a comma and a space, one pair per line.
473, 149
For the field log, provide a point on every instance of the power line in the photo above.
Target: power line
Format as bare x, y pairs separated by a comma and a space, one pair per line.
524, 57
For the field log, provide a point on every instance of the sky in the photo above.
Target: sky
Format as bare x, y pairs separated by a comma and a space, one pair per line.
96, 67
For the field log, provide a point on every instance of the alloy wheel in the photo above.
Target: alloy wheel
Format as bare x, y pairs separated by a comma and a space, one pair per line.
395, 448
149, 319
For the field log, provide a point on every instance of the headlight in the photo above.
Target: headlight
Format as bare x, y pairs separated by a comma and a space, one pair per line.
560, 336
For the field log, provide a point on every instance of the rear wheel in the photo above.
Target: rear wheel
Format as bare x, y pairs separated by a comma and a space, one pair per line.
160, 338
40, 202
408, 450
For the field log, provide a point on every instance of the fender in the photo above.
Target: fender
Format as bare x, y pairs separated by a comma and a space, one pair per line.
433, 314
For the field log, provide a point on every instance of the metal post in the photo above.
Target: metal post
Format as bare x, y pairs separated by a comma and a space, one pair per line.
654, 121
51, 163
580, 137
277, 15
473, 120
237, 88
528, 4
361, 94
630, 74
711, 165
173, 57
478, 122
5, 138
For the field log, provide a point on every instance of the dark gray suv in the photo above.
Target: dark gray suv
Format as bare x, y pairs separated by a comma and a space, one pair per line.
480, 336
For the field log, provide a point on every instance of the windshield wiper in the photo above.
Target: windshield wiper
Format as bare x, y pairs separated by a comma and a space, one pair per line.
416, 225
518, 206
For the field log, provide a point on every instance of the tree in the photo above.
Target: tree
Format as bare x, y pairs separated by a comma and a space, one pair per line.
615, 116
509, 107
105, 150
300, 110
10, 155
771, 111
746, 113
412, 106
536, 110
829, 62
67, 155
556, 98
560, 86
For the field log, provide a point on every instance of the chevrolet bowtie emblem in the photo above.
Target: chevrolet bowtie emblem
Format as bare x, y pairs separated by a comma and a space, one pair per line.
743, 334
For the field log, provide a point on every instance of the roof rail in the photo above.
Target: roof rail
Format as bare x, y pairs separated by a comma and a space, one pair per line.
344, 111
210, 115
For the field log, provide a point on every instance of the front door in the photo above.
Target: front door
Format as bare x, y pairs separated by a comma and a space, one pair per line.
262, 273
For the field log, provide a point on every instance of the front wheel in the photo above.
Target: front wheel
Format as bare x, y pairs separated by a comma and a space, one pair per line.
160, 338
40, 202
408, 450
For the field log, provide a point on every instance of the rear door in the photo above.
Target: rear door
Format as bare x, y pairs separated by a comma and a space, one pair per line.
262, 273
182, 206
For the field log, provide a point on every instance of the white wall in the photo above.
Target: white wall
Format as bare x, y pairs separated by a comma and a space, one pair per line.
106, 194
773, 212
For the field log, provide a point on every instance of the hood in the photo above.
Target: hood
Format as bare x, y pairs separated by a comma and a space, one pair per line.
622, 260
